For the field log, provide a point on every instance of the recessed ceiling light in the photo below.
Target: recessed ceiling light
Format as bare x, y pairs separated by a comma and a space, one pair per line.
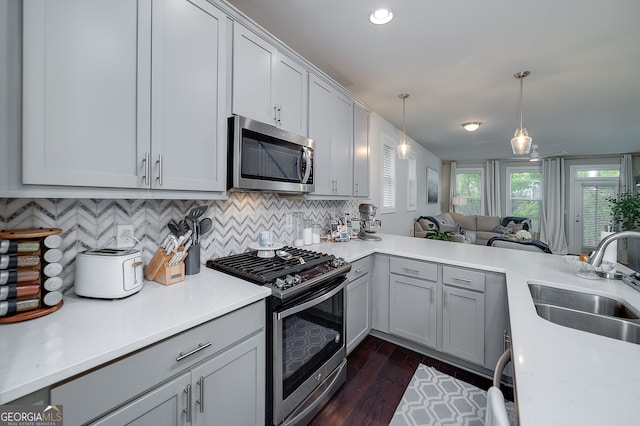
471, 126
381, 16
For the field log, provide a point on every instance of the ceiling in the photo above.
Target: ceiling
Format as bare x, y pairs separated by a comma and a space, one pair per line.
456, 59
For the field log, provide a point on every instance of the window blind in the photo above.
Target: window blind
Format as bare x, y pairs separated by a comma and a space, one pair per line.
412, 185
388, 177
596, 213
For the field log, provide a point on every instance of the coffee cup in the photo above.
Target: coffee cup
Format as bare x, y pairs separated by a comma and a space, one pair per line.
265, 238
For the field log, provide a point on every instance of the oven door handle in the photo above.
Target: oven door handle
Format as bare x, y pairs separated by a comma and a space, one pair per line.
310, 303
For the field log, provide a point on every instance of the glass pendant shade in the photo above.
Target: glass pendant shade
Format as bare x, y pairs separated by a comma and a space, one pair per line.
403, 149
521, 142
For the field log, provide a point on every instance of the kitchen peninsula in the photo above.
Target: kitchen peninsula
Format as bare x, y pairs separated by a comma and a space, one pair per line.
562, 376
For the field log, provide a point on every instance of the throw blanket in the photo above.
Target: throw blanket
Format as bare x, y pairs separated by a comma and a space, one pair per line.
536, 243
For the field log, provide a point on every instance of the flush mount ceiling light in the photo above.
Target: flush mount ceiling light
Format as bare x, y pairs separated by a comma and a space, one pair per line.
534, 155
471, 126
404, 147
381, 16
521, 142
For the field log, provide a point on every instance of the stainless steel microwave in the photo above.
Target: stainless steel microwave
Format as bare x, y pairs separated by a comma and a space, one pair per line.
262, 157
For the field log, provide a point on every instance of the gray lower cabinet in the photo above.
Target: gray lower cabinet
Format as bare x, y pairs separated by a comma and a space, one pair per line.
211, 374
463, 313
413, 301
225, 390
358, 303
452, 310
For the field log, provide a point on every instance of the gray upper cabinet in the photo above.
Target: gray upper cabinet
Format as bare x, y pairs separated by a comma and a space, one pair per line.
331, 127
268, 86
114, 98
361, 152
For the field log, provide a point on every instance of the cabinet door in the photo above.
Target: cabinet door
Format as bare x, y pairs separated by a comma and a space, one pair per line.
342, 146
360, 151
230, 388
412, 309
162, 406
188, 91
321, 113
82, 96
463, 324
292, 94
358, 311
254, 62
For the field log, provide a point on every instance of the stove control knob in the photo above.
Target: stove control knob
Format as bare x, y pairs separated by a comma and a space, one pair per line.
289, 280
337, 262
297, 279
280, 283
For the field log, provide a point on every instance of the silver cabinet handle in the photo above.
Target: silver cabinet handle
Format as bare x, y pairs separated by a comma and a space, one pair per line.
145, 169
187, 410
357, 271
159, 164
275, 113
411, 271
461, 280
200, 347
201, 399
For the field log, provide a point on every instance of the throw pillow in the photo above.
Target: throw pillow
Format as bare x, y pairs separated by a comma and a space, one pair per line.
514, 227
503, 230
454, 229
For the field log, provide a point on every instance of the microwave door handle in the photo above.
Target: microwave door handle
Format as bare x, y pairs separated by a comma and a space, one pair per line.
307, 156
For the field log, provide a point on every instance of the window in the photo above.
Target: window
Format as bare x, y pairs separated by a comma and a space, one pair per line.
388, 175
412, 184
524, 193
469, 187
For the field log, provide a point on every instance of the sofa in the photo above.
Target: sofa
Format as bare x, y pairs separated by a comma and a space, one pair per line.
471, 229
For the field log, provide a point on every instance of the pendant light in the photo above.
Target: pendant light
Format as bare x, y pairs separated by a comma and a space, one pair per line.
521, 142
404, 148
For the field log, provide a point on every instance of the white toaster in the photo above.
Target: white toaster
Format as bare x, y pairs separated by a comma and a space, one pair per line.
108, 273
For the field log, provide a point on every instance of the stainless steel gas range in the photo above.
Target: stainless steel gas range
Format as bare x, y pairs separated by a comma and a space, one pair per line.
306, 353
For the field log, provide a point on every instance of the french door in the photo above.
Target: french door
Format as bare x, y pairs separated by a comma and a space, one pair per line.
591, 213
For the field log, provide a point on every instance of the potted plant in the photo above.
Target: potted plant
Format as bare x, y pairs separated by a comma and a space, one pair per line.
625, 211
434, 234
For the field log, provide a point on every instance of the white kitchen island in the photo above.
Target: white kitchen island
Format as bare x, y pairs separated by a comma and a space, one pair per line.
563, 376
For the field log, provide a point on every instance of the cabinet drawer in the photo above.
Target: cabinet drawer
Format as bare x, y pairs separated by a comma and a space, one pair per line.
414, 268
359, 268
124, 379
463, 278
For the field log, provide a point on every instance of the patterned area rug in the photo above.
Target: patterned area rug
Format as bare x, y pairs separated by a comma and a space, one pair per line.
435, 398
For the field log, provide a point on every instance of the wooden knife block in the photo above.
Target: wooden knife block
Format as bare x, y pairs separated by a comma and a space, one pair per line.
159, 269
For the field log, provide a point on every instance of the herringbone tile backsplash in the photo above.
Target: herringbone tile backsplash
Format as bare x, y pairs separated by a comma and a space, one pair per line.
90, 223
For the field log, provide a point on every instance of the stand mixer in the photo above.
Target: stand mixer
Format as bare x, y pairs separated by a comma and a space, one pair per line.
368, 224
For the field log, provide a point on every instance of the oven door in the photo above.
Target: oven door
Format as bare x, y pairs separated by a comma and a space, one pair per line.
308, 345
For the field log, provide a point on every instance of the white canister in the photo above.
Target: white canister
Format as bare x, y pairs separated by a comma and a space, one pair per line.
307, 235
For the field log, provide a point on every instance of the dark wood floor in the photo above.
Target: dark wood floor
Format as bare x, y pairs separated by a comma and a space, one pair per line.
378, 373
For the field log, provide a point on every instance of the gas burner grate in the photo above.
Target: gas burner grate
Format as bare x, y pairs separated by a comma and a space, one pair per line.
261, 270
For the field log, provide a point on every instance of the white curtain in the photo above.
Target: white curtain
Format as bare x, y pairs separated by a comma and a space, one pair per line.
452, 185
626, 174
553, 206
492, 189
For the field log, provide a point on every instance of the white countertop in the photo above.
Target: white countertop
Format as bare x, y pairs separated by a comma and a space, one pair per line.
563, 376
85, 333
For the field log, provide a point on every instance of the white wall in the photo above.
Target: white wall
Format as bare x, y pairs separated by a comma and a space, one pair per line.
400, 222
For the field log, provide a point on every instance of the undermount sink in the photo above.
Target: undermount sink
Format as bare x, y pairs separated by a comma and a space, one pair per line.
587, 312
586, 302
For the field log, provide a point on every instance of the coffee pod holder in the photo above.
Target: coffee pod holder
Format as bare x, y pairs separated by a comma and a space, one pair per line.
161, 270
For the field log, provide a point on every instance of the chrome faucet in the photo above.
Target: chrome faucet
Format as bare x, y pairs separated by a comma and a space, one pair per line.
598, 253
